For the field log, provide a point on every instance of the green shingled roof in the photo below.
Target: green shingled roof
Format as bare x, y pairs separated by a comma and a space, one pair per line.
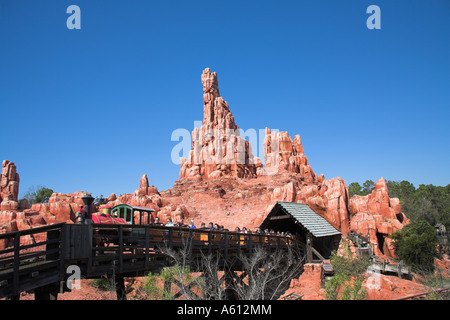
311, 221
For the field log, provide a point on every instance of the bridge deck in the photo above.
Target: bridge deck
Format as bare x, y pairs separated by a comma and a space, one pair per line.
38, 257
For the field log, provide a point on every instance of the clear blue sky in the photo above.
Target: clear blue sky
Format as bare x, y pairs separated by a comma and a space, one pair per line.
94, 109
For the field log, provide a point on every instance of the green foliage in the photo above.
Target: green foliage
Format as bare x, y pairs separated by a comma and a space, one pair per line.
416, 245
368, 187
100, 200
346, 283
354, 188
38, 194
159, 286
400, 189
102, 284
154, 288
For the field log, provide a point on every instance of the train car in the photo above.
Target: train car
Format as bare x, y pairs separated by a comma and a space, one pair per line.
122, 214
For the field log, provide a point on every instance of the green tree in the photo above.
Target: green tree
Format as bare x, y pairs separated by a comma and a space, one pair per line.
416, 245
400, 189
440, 200
38, 194
420, 209
354, 188
368, 187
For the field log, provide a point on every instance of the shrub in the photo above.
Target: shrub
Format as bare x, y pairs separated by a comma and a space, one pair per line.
416, 245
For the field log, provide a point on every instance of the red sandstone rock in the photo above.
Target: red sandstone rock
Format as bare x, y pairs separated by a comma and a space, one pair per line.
144, 188
335, 194
217, 148
309, 284
9, 186
384, 287
281, 153
112, 197
378, 216
61, 207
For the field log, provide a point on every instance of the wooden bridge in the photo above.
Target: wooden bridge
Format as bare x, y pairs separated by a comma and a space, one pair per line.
38, 259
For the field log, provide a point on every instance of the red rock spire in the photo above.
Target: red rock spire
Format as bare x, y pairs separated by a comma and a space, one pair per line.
217, 148
9, 186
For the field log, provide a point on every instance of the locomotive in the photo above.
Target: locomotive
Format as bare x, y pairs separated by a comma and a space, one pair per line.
122, 214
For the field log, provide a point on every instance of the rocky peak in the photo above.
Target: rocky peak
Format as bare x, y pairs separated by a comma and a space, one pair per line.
217, 148
283, 153
9, 186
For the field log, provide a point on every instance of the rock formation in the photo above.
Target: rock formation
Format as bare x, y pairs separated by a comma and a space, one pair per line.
222, 182
61, 207
9, 186
286, 176
378, 216
217, 148
149, 197
281, 153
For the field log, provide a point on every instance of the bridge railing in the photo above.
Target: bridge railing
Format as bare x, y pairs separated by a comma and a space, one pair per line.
38, 257
28, 257
136, 247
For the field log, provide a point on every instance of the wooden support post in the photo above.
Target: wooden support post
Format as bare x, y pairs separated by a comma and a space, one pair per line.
308, 248
120, 248
119, 283
48, 292
210, 235
147, 246
16, 263
226, 247
170, 237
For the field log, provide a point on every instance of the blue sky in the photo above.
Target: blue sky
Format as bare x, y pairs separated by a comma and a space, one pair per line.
93, 109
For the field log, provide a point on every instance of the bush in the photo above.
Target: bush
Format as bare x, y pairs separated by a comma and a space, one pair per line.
416, 245
346, 284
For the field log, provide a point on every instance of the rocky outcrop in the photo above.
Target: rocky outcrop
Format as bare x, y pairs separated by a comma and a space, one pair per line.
9, 186
144, 188
217, 148
61, 207
309, 285
377, 216
285, 176
281, 153
149, 197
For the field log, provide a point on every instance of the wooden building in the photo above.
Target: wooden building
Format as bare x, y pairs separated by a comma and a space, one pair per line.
300, 220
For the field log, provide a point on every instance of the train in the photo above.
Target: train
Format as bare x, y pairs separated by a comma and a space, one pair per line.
123, 214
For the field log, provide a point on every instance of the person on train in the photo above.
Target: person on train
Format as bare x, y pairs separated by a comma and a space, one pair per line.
191, 224
157, 222
181, 224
